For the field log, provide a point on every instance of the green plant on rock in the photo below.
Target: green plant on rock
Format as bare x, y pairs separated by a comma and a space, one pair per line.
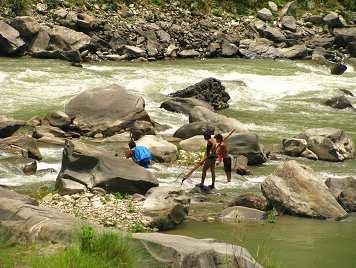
272, 216
138, 227
120, 196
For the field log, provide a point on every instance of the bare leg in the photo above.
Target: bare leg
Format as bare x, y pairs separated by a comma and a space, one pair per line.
203, 175
228, 176
212, 169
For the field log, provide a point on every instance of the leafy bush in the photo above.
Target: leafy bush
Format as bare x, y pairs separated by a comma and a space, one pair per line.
19, 6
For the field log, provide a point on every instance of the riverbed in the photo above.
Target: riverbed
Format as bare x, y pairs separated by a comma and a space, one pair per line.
275, 99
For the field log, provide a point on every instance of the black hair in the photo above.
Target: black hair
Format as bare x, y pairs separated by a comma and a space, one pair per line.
219, 137
132, 144
207, 136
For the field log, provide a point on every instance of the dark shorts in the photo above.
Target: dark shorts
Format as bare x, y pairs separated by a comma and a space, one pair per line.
227, 164
144, 163
209, 163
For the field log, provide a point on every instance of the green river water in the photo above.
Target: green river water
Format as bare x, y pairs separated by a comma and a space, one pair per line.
280, 99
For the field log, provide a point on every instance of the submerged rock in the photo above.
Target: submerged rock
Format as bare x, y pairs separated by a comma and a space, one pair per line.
238, 214
186, 252
210, 90
107, 110
339, 102
296, 190
167, 206
95, 167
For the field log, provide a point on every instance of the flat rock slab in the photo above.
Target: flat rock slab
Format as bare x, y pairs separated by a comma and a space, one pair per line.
238, 214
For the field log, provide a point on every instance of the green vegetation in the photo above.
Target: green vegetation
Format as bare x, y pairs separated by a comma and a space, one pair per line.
272, 216
138, 227
93, 249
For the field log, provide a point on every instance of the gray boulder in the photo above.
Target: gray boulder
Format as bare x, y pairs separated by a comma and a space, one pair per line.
66, 39
132, 52
99, 168
339, 102
248, 145
24, 218
238, 214
259, 48
107, 110
189, 53
289, 9
289, 23
344, 190
229, 49
162, 150
58, 119
23, 145
10, 40
194, 129
294, 147
265, 14
40, 42
250, 200
183, 105
9, 126
296, 190
333, 20
26, 26
273, 6
187, 252
344, 36
274, 34
167, 206
329, 144
295, 52
193, 144
221, 122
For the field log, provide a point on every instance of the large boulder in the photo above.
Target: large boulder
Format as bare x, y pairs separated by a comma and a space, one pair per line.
295, 52
193, 144
289, 23
210, 90
238, 214
344, 36
265, 14
10, 40
344, 190
167, 206
248, 145
107, 110
26, 26
259, 48
59, 119
40, 42
162, 150
183, 105
229, 49
23, 216
289, 9
250, 200
296, 190
66, 39
333, 20
187, 252
329, 144
23, 145
274, 34
221, 122
93, 167
194, 129
9, 126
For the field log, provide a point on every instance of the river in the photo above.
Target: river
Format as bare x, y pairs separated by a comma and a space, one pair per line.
279, 99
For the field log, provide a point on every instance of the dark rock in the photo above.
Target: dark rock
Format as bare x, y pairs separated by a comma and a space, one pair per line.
289, 23
26, 26
274, 34
40, 42
333, 20
9, 126
240, 165
98, 168
351, 48
265, 14
347, 199
107, 110
210, 90
314, 19
338, 69
296, 190
344, 36
193, 129
22, 145
183, 105
344, 190
138, 129
247, 144
294, 147
10, 40
339, 102
251, 201
30, 168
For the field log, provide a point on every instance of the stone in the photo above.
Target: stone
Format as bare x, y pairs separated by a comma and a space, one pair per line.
162, 150
26, 26
344, 36
181, 251
193, 144
259, 48
248, 145
210, 90
10, 41
229, 49
67, 39
240, 165
338, 185
23, 145
183, 105
250, 200
289, 9
30, 168
296, 190
339, 102
9, 126
289, 23
213, 49
95, 167
265, 14
238, 214
69, 187
338, 68
333, 20
309, 154
59, 119
25, 219
163, 36
193, 129
132, 52
171, 51
189, 53
295, 52
294, 147
221, 122
347, 199
274, 34
40, 42
273, 6
329, 144
107, 110
314, 19
167, 206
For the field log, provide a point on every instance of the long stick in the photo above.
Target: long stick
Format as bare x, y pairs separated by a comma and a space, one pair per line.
202, 161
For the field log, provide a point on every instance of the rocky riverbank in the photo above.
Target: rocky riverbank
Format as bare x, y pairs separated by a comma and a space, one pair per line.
149, 32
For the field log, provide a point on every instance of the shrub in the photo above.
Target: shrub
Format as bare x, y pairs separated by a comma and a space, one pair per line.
19, 6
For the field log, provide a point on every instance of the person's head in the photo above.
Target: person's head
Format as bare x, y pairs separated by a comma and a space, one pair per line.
132, 144
219, 138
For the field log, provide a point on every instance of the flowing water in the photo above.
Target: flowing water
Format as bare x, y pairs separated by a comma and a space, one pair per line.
277, 99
